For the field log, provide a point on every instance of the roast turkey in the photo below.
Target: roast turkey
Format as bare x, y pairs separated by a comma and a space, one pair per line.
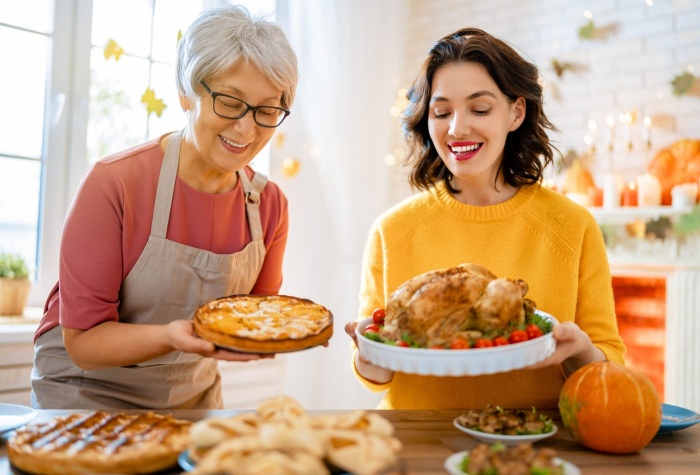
466, 301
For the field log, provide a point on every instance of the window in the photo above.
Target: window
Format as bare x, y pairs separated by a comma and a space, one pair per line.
67, 105
27, 24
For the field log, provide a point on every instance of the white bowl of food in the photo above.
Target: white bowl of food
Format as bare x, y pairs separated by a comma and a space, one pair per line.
507, 426
457, 362
457, 464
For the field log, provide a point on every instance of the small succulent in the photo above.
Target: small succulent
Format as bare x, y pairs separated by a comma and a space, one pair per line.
13, 266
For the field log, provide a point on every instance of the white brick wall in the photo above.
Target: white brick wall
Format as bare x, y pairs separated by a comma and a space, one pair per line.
632, 69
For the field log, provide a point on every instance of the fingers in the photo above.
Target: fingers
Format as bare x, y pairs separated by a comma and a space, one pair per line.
350, 328
228, 355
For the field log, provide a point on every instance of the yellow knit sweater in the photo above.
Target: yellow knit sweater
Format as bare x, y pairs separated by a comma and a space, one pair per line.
538, 236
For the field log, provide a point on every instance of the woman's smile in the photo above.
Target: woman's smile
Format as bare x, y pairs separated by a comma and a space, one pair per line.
464, 150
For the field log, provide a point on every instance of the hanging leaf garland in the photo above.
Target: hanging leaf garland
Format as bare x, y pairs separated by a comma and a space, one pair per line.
112, 49
683, 83
153, 104
587, 31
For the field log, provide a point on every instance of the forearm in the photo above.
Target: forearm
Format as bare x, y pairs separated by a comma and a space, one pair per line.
113, 344
573, 363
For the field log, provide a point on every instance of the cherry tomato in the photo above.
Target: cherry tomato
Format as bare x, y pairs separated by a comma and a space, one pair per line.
483, 343
516, 336
533, 331
378, 316
459, 344
437, 347
402, 344
372, 327
500, 341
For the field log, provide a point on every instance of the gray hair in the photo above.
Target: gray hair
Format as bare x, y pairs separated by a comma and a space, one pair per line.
222, 36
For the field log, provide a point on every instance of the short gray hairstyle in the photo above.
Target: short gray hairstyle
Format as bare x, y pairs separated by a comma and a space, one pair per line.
223, 35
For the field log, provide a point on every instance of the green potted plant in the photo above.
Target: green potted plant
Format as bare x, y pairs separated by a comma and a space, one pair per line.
14, 284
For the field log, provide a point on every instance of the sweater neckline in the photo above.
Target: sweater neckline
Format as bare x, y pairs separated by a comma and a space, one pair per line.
484, 213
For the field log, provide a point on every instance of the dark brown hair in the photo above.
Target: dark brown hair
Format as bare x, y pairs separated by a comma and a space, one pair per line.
527, 149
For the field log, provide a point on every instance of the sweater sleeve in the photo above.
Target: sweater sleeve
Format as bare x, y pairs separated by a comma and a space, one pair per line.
595, 308
372, 292
372, 285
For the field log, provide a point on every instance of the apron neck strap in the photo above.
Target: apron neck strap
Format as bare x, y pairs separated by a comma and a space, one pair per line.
166, 186
252, 189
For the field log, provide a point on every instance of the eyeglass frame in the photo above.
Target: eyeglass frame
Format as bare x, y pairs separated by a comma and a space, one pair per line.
214, 95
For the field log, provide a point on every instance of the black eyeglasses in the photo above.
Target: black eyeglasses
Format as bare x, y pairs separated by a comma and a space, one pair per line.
230, 107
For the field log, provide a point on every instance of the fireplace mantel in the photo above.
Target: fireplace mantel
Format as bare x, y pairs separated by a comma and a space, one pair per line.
682, 351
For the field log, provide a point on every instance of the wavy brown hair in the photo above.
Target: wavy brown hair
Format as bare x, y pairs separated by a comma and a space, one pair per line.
527, 149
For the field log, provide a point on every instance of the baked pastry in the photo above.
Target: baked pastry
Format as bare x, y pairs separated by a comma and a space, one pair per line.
464, 301
264, 323
281, 438
99, 442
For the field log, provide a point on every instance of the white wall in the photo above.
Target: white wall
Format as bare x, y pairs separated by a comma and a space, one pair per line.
629, 70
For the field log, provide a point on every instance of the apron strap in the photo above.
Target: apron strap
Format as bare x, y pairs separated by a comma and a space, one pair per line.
252, 190
166, 186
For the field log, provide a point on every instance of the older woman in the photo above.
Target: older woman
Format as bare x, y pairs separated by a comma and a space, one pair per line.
157, 230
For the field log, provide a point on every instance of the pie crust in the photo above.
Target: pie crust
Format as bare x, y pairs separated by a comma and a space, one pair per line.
264, 323
99, 442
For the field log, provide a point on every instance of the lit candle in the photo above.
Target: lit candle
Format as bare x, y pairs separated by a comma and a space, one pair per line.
629, 194
592, 126
611, 191
648, 190
626, 119
595, 196
646, 131
611, 132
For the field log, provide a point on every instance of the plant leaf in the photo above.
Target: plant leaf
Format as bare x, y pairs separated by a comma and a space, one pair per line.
587, 31
688, 223
682, 83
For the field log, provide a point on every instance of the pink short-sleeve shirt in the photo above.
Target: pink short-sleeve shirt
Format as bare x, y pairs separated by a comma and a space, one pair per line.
109, 223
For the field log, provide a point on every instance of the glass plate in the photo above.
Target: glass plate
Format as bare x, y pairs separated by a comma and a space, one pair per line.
470, 362
675, 418
508, 440
15, 415
453, 462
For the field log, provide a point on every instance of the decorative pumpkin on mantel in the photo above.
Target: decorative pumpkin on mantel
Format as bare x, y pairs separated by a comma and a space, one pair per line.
577, 179
610, 408
677, 164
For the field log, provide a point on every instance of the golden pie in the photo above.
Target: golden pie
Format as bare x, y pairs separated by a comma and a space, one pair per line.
99, 442
264, 323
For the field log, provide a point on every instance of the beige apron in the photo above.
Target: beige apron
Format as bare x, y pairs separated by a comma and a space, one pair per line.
168, 282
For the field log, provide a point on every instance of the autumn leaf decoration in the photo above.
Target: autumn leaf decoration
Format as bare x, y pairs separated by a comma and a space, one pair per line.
683, 84
587, 31
560, 67
152, 103
590, 31
112, 49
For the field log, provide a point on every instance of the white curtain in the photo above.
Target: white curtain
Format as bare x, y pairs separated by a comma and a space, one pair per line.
340, 130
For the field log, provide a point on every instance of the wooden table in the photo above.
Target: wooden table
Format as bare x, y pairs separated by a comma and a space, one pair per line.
429, 437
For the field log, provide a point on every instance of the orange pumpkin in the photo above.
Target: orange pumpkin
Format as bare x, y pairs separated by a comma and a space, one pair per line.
610, 408
578, 179
679, 163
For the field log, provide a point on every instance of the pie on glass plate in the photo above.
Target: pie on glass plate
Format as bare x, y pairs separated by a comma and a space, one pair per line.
99, 442
264, 323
